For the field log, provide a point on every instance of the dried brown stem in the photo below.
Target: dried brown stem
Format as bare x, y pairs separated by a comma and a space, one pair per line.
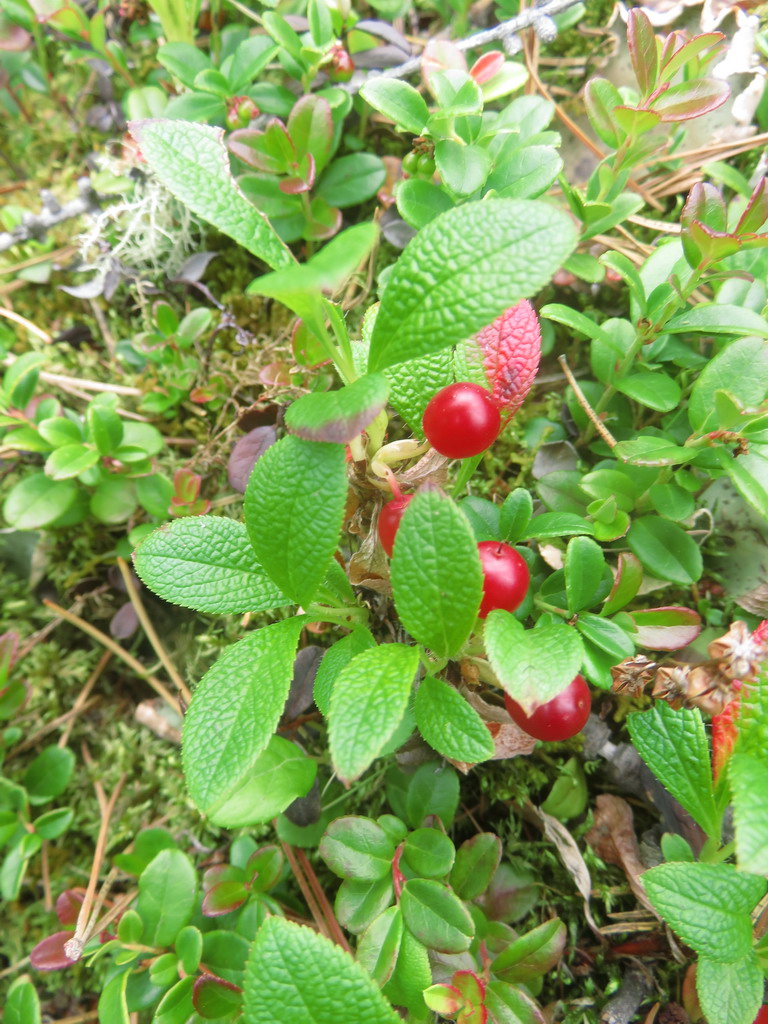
335, 928
149, 629
117, 649
581, 398
306, 891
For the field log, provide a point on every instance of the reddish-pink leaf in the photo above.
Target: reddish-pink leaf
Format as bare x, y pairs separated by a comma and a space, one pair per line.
186, 485
440, 55
683, 53
725, 732
444, 999
49, 954
691, 99
666, 629
643, 49
511, 349
755, 214
487, 67
68, 906
470, 985
294, 186
223, 898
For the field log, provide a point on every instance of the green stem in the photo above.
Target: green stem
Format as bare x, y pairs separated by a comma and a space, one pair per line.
468, 467
545, 607
348, 616
42, 56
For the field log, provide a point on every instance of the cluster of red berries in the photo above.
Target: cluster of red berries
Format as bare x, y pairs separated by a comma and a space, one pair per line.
461, 421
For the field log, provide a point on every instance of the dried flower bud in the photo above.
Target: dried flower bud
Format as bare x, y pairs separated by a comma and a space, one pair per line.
633, 675
739, 653
671, 684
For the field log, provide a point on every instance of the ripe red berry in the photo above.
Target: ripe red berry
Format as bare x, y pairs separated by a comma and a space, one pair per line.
762, 1016
558, 719
461, 420
342, 66
389, 521
505, 577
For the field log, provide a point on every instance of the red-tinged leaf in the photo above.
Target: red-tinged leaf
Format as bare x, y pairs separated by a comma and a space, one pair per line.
223, 898
440, 55
755, 213
186, 485
49, 954
666, 629
725, 732
222, 873
705, 204
294, 186
643, 50
487, 67
471, 987
686, 52
213, 997
511, 349
68, 906
473, 1015
691, 99
713, 245
247, 453
673, 44
444, 999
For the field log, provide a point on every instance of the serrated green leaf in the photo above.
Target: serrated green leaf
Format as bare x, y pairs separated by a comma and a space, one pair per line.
234, 711
167, 894
730, 993
294, 504
302, 973
339, 416
206, 563
748, 776
368, 700
334, 660
192, 163
533, 665
665, 549
436, 575
584, 565
279, 775
708, 905
436, 916
674, 746
414, 383
463, 270
449, 725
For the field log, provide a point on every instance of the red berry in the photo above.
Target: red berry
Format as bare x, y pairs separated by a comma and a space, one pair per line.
461, 420
762, 1016
389, 521
342, 66
558, 719
505, 577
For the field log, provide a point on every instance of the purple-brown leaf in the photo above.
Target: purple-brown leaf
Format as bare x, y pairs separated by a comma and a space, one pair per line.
49, 954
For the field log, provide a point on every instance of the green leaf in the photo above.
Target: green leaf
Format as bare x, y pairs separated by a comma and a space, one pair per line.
113, 1005
352, 179
655, 390
105, 427
432, 789
398, 101
463, 270
206, 563
653, 451
666, 550
54, 823
22, 1005
515, 515
674, 746
167, 894
368, 700
476, 862
49, 774
359, 903
429, 853
37, 501
176, 1006
357, 848
436, 916
436, 575
730, 993
462, 168
509, 1004
532, 665
526, 173
192, 163
419, 201
601, 98
183, 60
629, 577
449, 725
606, 636
234, 711
379, 946
294, 504
339, 416
70, 460
557, 524
411, 976
532, 954
302, 973
748, 776
708, 905
584, 567
334, 660
747, 483
718, 318
114, 500
742, 369
58, 431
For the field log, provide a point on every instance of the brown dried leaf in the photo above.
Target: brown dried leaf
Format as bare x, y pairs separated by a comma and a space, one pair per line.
613, 839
